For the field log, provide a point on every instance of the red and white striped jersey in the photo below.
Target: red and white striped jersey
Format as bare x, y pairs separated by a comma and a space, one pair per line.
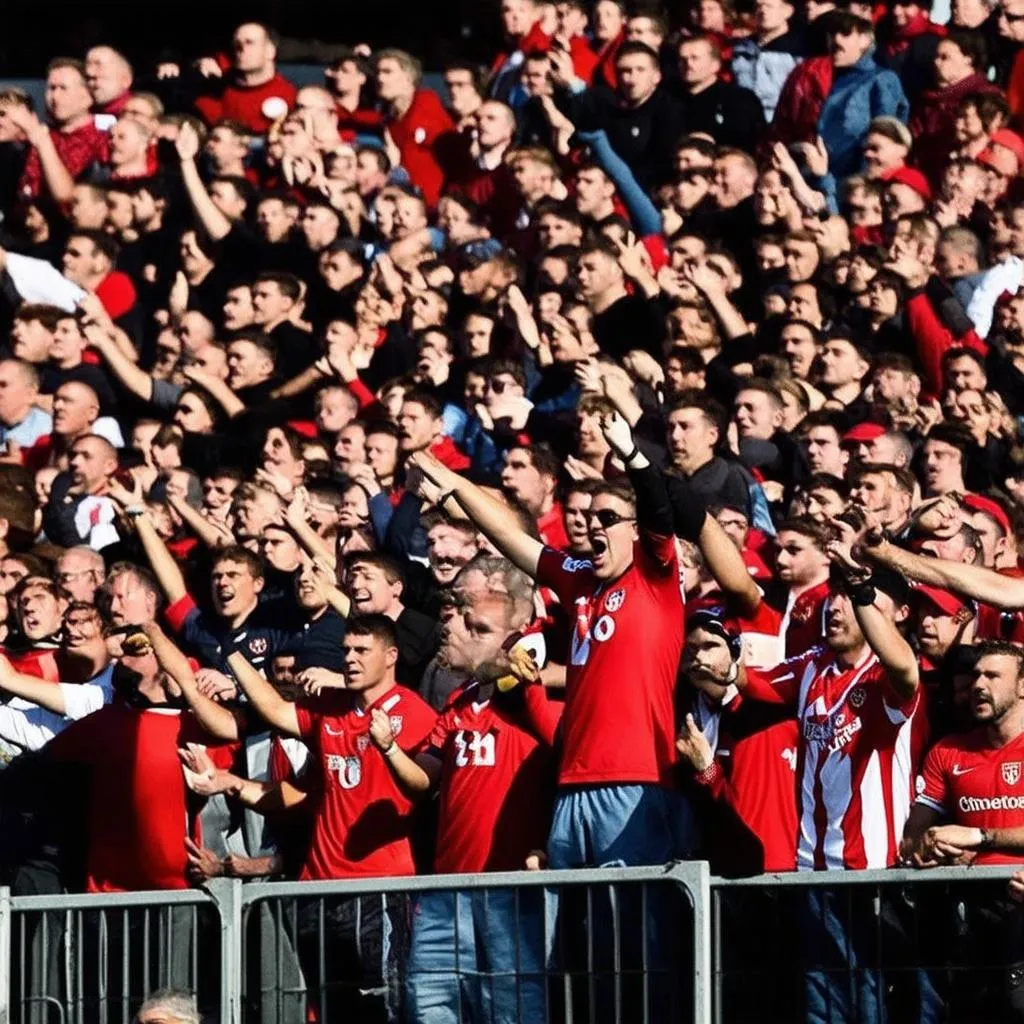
857, 755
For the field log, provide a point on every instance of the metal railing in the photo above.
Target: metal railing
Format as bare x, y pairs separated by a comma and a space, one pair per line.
617, 945
946, 944
610, 945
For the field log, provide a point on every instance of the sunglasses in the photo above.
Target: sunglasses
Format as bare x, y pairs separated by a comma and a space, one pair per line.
606, 517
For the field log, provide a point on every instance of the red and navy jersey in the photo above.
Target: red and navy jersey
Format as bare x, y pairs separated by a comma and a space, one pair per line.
263, 634
497, 783
974, 784
362, 820
627, 638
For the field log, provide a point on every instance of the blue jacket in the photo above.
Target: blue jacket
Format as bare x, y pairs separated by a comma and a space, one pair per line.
859, 94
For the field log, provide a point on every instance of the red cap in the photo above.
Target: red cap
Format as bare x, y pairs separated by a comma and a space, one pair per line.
864, 432
947, 602
979, 503
912, 178
307, 428
1009, 140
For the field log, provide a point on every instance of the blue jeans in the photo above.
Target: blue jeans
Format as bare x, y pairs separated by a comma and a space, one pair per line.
619, 826
618, 945
477, 957
839, 937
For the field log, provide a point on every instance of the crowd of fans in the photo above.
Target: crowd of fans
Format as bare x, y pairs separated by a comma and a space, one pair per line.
611, 458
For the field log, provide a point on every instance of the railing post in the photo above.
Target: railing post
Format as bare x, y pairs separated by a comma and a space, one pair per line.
695, 877
227, 894
5, 955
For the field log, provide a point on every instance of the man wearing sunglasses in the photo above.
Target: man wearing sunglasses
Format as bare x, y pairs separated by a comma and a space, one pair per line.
615, 803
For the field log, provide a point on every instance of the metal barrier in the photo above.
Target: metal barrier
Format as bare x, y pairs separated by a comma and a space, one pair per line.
92, 959
945, 944
617, 945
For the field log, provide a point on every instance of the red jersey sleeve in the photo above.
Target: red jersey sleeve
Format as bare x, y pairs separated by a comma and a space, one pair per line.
568, 577
934, 793
778, 685
418, 727
309, 719
543, 715
177, 613
656, 554
443, 728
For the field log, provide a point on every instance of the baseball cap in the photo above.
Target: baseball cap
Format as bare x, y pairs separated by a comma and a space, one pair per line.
979, 503
892, 129
946, 601
864, 432
1009, 140
711, 621
474, 254
912, 178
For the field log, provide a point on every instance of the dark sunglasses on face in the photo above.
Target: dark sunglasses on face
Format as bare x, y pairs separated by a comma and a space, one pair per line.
607, 517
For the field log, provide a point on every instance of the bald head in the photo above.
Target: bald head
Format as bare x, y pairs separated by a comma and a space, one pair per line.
108, 74
93, 462
76, 408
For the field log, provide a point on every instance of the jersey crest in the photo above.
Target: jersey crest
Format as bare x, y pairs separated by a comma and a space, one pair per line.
1011, 773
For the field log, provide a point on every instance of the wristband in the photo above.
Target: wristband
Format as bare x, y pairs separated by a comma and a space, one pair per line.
444, 497
986, 840
134, 511
390, 752
862, 594
709, 775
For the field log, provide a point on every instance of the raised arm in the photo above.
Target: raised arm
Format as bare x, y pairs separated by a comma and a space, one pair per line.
216, 225
162, 562
726, 565
269, 704
896, 656
58, 178
974, 581
489, 516
128, 372
47, 695
216, 719
213, 535
218, 389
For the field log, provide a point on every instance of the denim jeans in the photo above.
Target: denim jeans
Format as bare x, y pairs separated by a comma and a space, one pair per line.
477, 957
842, 984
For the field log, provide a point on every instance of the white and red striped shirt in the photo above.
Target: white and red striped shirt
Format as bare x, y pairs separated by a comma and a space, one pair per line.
857, 753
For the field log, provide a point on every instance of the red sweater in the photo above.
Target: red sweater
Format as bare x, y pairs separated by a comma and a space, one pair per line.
428, 143
245, 103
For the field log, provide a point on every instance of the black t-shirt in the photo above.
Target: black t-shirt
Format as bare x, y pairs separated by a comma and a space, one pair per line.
418, 638
630, 322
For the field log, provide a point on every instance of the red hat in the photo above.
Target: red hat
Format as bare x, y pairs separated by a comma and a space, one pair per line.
1009, 140
864, 432
947, 602
979, 503
912, 178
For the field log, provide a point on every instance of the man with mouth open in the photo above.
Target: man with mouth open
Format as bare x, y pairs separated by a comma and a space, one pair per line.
237, 621
615, 802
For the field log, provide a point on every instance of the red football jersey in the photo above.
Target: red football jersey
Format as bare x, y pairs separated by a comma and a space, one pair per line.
425, 136
362, 823
976, 785
857, 757
497, 782
138, 802
619, 720
755, 775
